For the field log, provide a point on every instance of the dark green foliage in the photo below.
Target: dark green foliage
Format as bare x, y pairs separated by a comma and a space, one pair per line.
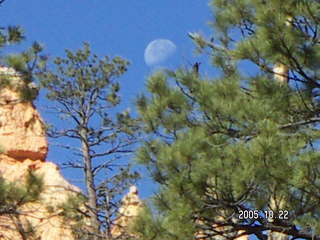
13, 196
4, 81
143, 227
75, 213
28, 64
24, 66
8, 36
11, 35
82, 74
239, 140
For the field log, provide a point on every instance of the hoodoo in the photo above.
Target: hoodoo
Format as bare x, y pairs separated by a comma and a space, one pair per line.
24, 147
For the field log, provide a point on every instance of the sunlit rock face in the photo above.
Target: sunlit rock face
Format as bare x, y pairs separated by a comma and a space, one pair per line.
46, 223
22, 134
24, 147
131, 205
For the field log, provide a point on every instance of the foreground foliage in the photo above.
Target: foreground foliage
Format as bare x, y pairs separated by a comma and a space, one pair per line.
239, 142
13, 198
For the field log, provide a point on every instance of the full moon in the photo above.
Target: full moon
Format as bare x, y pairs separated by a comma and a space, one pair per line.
158, 51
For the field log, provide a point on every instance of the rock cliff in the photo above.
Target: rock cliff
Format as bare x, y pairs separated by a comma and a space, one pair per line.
24, 147
21, 130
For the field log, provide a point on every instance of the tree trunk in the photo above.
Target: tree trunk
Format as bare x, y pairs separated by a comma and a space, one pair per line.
108, 215
89, 178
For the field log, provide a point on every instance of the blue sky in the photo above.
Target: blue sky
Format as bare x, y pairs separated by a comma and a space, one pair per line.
112, 27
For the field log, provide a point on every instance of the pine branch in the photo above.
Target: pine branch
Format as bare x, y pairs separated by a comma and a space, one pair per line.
301, 123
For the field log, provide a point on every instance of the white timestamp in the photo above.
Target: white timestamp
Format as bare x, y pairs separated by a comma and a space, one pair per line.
268, 214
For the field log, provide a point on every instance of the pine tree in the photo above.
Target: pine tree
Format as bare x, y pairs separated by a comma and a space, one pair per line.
236, 154
85, 91
9, 36
25, 64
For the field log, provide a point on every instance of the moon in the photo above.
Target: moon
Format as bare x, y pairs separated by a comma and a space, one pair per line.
158, 51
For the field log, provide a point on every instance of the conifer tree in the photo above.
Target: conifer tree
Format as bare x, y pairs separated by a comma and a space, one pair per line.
85, 93
236, 154
25, 64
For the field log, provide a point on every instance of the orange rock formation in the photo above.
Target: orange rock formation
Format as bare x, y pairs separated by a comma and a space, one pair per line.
24, 146
131, 205
21, 130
